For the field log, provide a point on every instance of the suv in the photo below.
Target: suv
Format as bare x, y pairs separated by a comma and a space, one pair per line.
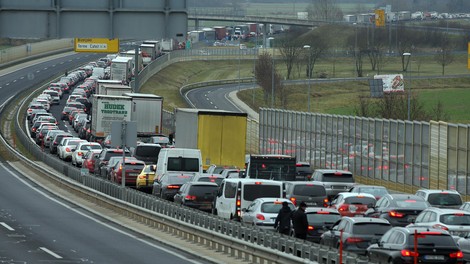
198, 195
147, 152
441, 198
456, 222
311, 193
335, 181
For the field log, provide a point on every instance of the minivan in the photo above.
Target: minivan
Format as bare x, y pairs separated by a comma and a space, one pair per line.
310, 192
236, 194
179, 160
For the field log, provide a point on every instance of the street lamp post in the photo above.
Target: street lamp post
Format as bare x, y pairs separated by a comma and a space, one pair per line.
271, 42
407, 55
307, 47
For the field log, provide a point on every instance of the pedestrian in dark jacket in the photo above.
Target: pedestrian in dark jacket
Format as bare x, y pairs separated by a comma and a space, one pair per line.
283, 219
300, 222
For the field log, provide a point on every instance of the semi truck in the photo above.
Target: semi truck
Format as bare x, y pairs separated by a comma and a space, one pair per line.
107, 109
168, 44
220, 135
147, 112
121, 69
148, 53
103, 82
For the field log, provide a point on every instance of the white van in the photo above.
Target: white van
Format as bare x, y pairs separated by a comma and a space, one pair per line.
236, 194
178, 160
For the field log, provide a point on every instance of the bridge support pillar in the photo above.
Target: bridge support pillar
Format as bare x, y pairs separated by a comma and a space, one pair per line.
265, 26
196, 24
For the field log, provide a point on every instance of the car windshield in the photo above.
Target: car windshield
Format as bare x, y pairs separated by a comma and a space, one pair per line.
411, 203
309, 190
273, 207
253, 191
178, 179
366, 228
444, 199
360, 200
202, 190
373, 191
455, 219
183, 164
322, 218
332, 177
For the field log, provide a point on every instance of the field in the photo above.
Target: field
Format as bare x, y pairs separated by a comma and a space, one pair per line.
330, 98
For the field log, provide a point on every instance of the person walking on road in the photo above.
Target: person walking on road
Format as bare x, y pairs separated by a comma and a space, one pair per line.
300, 222
283, 219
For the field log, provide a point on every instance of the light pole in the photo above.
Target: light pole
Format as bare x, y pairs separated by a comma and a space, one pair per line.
355, 47
407, 55
271, 42
307, 47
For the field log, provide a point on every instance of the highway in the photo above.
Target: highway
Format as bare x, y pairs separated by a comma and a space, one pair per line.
38, 227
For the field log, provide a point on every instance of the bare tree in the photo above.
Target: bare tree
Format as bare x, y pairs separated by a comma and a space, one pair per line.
264, 76
318, 48
290, 50
324, 10
444, 55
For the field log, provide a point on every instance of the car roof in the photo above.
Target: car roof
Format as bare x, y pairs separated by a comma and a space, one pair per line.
332, 171
447, 210
437, 191
368, 186
356, 194
367, 220
203, 184
318, 209
411, 230
210, 175
272, 199
401, 196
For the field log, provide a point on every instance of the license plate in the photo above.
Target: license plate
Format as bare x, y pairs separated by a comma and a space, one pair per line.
434, 257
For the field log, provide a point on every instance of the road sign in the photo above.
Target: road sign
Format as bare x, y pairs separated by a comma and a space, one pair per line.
96, 45
380, 18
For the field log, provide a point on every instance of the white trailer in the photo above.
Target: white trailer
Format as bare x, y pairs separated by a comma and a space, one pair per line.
121, 69
115, 89
147, 111
107, 109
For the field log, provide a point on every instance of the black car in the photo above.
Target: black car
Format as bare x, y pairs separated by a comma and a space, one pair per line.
66, 111
398, 209
199, 195
356, 233
320, 220
169, 184
398, 246
56, 141
310, 192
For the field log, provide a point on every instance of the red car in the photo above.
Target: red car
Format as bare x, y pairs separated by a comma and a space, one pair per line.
352, 204
133, 168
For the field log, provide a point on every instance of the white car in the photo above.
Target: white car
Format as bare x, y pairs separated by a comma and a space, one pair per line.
262, 212
54, 94
45, 103
66, 146
81, 149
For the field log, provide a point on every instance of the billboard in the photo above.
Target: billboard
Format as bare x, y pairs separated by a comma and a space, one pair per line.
380, 18
392, 82
96, 45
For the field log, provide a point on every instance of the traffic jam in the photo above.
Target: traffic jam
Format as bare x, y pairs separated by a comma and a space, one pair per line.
272, 192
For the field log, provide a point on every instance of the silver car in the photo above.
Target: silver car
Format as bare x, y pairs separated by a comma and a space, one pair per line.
456, 222
262, 212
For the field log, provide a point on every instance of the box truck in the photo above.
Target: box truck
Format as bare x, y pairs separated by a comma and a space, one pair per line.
114, 89
220, 135
103, 82
107, 109
147, 111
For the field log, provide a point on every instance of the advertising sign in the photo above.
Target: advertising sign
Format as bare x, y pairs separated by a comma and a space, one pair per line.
392, 82
380, 18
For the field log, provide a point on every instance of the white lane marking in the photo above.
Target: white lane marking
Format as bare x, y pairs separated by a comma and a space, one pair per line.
38, 71
1, 87
207, 99
169, 251
7, 226
14, 80
211, 103
62, 62
70, 60
7, 84
53, 65
50, 252
22, 77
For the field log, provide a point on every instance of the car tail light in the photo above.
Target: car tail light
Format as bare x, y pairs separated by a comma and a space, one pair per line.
310, 228
396, 214
343, 208
260, 217
439, 226
293, 200
239, 203
190, 197
80, 153
173, 186
323, 212
457, 254
409, 253
68, 150
354, 240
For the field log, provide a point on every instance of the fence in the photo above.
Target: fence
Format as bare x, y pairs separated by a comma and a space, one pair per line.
400, 155
25, 52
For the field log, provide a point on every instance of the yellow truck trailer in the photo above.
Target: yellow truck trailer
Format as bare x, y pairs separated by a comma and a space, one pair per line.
220, 135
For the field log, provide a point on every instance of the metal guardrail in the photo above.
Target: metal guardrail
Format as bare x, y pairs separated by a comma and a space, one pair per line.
233, 238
